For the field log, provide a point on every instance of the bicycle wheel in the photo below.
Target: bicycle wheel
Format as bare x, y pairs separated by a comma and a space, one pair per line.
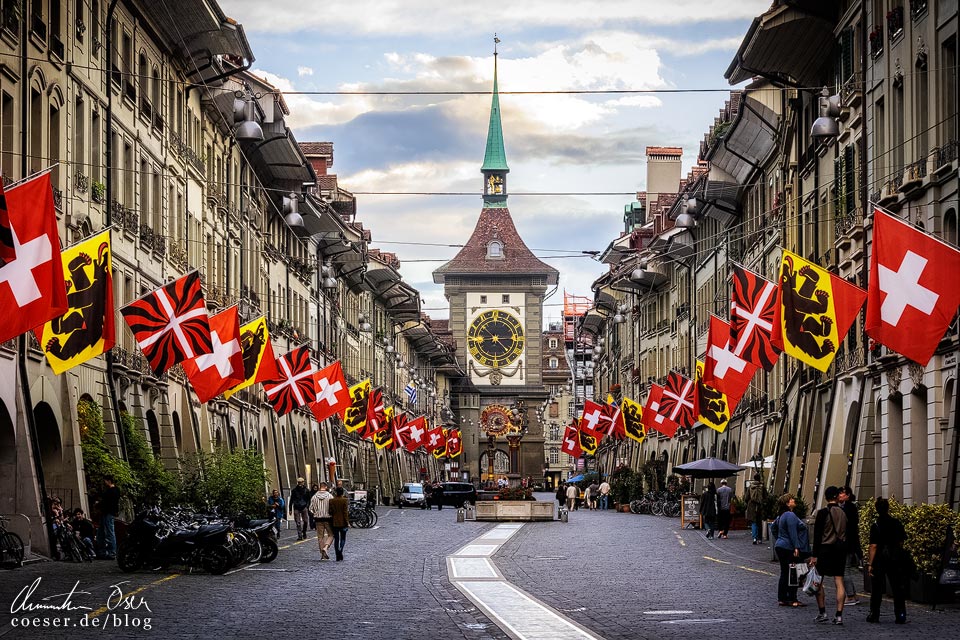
11, 550
373, 518
635, 506
657, 508
672, 509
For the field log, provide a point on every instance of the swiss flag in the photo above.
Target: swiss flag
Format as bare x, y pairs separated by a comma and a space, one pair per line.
333, 394
595, 421
571, 441
213, 373
7, 252
454, 443
416, 434
913, 293
295, 386
652, 417
32, 290
724, 369
436, 442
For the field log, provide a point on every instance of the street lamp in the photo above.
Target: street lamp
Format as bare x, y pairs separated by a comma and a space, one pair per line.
826, 126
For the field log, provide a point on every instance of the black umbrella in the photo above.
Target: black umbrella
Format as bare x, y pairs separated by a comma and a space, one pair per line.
708, 468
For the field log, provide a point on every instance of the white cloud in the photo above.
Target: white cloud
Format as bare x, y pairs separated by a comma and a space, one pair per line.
304, 71
439, 16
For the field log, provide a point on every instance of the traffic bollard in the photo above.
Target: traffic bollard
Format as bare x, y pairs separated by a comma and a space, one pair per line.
461, 514
564, 515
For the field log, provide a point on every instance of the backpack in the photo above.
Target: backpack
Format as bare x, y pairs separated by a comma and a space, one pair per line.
835, 529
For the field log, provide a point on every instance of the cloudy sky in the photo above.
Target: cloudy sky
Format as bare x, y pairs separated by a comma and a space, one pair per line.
434, 143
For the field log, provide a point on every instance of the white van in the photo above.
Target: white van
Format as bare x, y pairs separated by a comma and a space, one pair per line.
411, 494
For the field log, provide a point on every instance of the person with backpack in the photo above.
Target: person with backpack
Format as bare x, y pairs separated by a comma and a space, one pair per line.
888, 560
708, 508
756, 496
849, 505
830, 552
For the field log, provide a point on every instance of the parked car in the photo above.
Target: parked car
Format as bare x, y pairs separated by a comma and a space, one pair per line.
411, 494
453, 494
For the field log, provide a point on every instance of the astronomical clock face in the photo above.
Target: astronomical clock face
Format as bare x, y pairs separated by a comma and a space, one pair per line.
495, 338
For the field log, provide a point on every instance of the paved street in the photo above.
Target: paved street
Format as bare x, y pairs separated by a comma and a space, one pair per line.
615, 575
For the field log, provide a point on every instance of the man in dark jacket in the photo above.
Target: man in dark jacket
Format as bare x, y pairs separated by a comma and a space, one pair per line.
109, 510
340, 520
888, 560
300, 501
829, 552
850, 508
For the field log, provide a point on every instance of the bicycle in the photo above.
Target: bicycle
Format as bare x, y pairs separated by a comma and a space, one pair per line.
11, 547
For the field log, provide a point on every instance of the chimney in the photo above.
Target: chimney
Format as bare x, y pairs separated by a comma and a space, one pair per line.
663, 171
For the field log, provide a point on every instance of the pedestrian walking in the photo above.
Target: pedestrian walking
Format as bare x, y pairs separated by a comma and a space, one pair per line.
339, 520
561, 495
572, 497
829, 552
725, 497
300, 502
320, 508
756, 496
277, 508
594, 495
587, 497
109, 510
888, 561
314, 488
428, 494
708, 508
851, 509
792, 547
604, 495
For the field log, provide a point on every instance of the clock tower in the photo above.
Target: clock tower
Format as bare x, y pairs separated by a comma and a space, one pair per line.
495, 287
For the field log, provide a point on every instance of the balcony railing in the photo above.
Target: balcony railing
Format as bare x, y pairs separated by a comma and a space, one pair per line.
81, 182
178, 255
895, 23
912, 175
57, 199
193, 158
946, 153
846, 222
147, 236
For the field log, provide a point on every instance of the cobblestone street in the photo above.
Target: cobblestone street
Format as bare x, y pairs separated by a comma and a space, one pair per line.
615, 575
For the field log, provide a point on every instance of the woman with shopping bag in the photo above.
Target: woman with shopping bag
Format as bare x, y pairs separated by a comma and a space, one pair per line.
792, 548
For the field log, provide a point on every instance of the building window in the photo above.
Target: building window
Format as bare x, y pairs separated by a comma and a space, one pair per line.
506, 299
483, 299
553, 343
495, 250
554, 456
553, 363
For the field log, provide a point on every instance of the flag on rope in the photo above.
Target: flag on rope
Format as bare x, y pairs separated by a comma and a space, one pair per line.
612, 421
633, 420
295, 387
454, 443
170, 324
411, 391
213, 373
333, 396
7, 252
913, 293
677, 400
259, 361
416, 433
653, 418
87, 329
814, 311
752, 309
571, 440
376, 419
383, 437
713, 407
355, 415
723, 369
436, 442
32, 290
400, 431
594, 421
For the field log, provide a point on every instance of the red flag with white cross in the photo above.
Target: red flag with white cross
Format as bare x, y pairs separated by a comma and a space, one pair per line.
213, 373
571, 441
913, 293
653, 416
595, 420
724, 369
416, 434
295, 386
454, 443
333, 393
32, 289
436, 442
171, 323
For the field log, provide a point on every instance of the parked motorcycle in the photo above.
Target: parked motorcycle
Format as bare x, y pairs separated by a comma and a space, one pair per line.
155, 539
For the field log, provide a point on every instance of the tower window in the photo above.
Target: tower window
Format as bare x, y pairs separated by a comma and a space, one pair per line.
495, 250
506, 299
483, 299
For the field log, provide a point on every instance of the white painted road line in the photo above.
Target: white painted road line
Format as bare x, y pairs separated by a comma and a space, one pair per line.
667, 612
520, 615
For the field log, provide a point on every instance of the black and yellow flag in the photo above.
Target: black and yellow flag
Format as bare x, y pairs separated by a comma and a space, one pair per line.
355, 417
632, 413
588, 443
384, 437
87, 329
712, 407
259, 362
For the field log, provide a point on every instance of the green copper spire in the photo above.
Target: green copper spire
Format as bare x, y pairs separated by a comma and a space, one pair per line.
495, 158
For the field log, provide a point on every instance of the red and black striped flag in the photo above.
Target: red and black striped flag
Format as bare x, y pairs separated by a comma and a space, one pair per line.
677, 400
376, 420
295, 387
171, 324
752, 307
